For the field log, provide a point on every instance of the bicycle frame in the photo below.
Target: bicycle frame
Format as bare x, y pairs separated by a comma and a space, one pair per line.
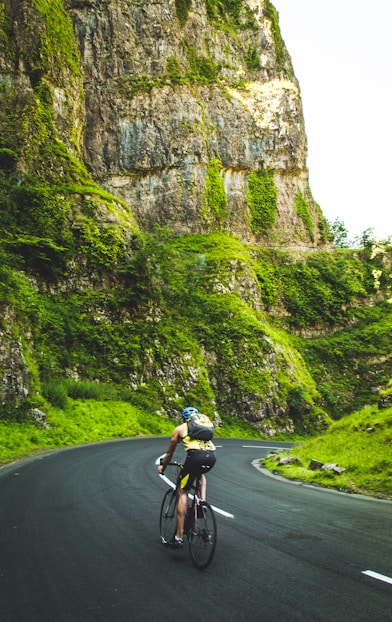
199, 526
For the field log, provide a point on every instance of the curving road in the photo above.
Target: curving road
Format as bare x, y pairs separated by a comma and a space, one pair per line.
79, 542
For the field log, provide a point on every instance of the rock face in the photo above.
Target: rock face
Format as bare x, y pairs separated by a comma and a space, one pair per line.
187, 110
14, 384
189, 113
170, 93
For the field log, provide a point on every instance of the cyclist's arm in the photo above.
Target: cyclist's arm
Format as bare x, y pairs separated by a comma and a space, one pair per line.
175, 439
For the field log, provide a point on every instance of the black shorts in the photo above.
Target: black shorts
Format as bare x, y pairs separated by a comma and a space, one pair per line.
197, 461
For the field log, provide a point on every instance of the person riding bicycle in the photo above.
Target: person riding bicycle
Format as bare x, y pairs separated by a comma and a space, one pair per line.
195, 434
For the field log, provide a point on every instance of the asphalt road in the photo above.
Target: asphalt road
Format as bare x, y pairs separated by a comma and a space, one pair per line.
79, 542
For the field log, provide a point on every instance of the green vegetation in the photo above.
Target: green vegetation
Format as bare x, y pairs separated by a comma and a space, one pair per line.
385, 393
215, 201
57, 48
200, 69
90, 420
177, 298
302, 208
78, 423
323, 224
252, 59
262, 197
178, 326
231, 15
48, 201
339, 233
272, 14
360, 443
174, 70
48, 226
147, 323
318, 288
224, 11
349, 362
182, 10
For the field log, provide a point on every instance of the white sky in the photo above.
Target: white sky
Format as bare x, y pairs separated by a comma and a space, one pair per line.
342, 55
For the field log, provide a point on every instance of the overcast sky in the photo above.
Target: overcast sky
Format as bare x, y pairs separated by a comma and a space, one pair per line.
342, 55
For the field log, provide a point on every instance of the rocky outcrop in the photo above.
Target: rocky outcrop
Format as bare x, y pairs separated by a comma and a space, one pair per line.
183, 127
14, 379
189, 113
385, 401
169, 93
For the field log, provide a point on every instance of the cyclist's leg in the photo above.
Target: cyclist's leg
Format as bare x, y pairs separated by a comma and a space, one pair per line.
206, 462
197, 462
187, 477
181, 511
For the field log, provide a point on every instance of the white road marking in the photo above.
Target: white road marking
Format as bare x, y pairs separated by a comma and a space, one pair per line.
222, 512
172, 485
167, 480
377, 575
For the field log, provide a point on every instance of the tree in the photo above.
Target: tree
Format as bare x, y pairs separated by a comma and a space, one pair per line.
340, 233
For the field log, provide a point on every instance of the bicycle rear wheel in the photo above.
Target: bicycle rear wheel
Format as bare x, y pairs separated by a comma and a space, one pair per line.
202, 536
168, 517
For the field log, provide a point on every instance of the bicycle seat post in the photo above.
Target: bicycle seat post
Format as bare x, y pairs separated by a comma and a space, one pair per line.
198, 487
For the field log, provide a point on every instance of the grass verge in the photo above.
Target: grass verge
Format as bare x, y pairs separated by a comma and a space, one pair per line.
361, 443
89, 421
80, 422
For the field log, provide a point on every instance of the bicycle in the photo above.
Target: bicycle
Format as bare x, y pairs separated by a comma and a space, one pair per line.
200, 524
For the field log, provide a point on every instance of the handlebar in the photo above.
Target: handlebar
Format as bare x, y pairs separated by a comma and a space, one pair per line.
175, 463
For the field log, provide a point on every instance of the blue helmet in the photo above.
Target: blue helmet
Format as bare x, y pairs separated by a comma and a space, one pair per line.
188, 412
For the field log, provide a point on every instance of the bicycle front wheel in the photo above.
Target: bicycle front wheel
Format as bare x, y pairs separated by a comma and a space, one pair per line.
168, 517
202, 536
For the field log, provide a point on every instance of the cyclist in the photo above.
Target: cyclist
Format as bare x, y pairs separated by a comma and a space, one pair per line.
200, 457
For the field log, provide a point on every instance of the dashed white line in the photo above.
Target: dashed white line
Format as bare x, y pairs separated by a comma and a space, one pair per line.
378, 576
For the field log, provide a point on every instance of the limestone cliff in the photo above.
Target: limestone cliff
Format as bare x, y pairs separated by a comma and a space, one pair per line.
119, 115
173, 89
188, 111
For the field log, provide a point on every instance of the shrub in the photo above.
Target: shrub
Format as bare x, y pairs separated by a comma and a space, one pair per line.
182, 10
85, 390
302, 208
262, 198
272, 14
56, 393
215, 195
252, 59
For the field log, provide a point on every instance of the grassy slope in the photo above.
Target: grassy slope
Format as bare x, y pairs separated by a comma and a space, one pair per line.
360, 442
80, 422
90, 421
